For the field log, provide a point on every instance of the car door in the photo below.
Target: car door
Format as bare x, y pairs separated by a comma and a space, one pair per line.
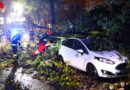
81, 55
67, 50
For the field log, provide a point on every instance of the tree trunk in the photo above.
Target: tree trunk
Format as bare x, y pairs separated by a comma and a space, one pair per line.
52, 12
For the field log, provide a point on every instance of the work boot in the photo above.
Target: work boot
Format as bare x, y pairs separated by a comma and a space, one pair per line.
15, 64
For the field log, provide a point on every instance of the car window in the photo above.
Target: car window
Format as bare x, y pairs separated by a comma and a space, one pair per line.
79, 45
89, 43
68, 43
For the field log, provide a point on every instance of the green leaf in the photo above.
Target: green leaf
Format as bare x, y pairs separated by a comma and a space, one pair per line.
94, 32
107, 1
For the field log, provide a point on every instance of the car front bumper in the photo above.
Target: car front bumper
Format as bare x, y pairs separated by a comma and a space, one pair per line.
110, 71
118, 73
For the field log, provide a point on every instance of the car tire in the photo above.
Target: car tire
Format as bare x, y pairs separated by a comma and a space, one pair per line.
61, 59
92, 71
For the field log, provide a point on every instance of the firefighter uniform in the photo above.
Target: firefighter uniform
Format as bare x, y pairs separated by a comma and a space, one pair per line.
15, 42
42, 42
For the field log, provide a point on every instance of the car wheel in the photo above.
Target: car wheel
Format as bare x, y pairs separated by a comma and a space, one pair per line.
92, 71
61, 59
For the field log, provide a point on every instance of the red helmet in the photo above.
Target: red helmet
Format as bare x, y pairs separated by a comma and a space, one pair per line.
49, 32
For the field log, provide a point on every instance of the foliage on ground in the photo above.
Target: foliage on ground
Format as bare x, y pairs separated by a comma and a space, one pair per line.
49, 68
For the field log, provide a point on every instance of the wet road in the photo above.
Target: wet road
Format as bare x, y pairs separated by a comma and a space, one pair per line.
3, 76
12, 77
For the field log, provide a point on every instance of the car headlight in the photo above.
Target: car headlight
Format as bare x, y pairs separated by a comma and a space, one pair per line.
104, 60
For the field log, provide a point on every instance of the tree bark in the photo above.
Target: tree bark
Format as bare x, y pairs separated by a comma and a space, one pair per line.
52, 10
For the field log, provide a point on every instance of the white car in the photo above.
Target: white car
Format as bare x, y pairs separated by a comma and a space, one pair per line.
102, 64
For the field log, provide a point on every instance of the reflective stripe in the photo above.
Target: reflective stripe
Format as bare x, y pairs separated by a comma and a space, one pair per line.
20, 45
40, 36
13, 44
45, 39
18, 40
48, 44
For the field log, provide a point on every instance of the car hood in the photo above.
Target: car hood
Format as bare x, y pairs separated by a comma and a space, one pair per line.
112, 55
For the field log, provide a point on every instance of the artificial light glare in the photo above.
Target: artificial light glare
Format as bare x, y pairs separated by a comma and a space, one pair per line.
17, 19
13, 33
25, 36
18, 9
1, 20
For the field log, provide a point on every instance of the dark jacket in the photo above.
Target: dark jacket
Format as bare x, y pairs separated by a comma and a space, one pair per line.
16, 40
44, 38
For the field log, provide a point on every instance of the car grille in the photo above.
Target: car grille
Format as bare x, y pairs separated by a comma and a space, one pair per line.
122, 73
121, 66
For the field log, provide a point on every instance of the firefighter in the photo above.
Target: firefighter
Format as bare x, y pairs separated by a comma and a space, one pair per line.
31, 34
15, 41
42, 42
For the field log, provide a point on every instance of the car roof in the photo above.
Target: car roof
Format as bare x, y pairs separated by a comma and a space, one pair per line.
79, 39
75, 38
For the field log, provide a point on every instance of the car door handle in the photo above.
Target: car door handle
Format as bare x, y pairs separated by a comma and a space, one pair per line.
76, 55
80, 53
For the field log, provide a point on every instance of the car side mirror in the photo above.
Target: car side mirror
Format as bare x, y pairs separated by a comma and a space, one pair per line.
80, 51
